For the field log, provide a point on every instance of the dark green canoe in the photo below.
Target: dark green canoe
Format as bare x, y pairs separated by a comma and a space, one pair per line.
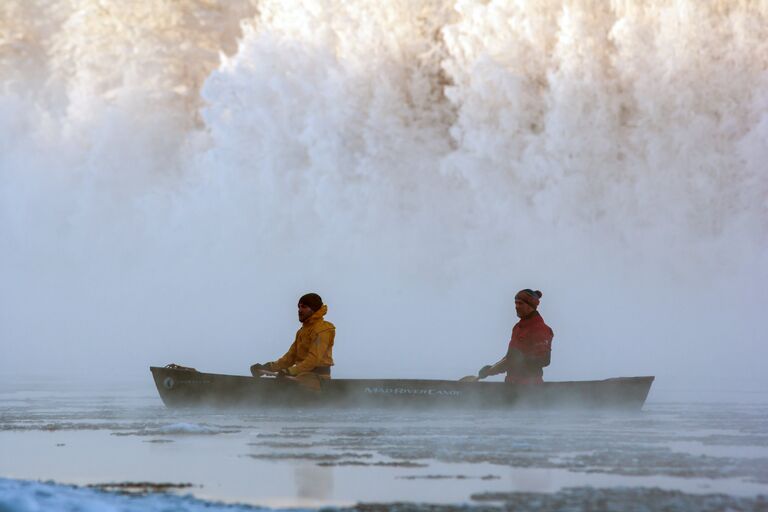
185, 388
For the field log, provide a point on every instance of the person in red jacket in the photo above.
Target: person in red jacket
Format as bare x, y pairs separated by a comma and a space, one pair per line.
530, 347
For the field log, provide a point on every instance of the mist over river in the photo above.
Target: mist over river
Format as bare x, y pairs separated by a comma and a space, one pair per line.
672, 456
175, 174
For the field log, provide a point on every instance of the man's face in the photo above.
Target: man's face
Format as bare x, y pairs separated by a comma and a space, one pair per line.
304, 312
522, 308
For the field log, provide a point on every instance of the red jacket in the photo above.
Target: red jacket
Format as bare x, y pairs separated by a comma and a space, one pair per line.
533, 338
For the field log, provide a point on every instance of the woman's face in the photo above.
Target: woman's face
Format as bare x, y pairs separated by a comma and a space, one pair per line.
522, 308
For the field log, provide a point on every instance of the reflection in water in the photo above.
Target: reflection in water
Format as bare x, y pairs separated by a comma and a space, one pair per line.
532, 481
313, 482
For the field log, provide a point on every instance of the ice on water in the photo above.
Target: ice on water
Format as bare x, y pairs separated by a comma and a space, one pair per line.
311, 458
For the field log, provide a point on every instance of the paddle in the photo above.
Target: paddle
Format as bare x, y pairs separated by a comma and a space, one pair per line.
495, 368
306, 380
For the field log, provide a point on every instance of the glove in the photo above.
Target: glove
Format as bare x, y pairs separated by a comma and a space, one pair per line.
292, 371
257, 368
485, 371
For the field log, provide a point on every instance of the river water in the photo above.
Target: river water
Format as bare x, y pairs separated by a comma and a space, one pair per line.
694, 456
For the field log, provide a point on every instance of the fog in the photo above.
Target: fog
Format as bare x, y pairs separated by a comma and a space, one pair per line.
174, 175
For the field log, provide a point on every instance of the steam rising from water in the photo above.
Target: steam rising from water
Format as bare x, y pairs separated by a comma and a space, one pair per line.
174, 175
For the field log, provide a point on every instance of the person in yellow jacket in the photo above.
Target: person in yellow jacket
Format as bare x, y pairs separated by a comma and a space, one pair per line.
312, 350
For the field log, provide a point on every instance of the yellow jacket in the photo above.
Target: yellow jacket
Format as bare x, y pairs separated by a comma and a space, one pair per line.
312, 347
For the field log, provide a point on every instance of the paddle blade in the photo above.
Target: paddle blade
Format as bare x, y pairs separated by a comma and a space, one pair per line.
469, 378
305, 380
263, 373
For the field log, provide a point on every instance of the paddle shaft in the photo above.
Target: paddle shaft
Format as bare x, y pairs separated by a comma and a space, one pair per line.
496, 368
305, 380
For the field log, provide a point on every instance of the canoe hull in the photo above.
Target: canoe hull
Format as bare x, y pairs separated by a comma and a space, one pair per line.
182, 388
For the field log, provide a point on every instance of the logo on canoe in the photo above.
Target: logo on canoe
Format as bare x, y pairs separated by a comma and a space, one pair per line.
168, 383
412, 391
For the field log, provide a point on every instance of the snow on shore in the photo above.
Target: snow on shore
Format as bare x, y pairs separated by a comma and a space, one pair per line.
26, 496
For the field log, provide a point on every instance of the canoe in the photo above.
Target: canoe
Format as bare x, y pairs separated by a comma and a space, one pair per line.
185, 388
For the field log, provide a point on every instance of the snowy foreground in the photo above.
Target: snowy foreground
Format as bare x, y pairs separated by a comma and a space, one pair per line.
23, 496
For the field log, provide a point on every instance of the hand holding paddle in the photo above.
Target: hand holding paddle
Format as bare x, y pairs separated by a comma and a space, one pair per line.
257, 368
487, 371
484, 372
305, 380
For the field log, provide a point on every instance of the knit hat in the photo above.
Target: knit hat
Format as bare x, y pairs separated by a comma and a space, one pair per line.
312, 301
529, 296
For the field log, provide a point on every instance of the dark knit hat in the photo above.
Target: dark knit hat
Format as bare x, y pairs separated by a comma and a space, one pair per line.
312, 301
530, 297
